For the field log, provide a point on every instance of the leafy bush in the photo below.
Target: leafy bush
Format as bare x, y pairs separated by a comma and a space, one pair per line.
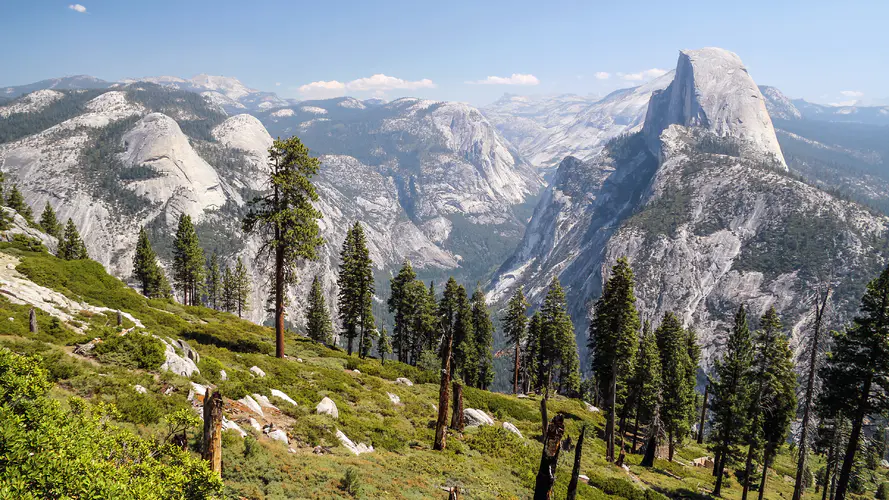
351, 482
132, 351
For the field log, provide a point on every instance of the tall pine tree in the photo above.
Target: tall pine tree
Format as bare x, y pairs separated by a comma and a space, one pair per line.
146, 270
558, 343
229, 303
356, 292
286, 220
188, 261
646, 379
242, 286
318, 324
71, 247
678, 386
613, 341
49, 223
16, 201
483, 330
464, 362
534, 364
213, 285
515, 329
403, 307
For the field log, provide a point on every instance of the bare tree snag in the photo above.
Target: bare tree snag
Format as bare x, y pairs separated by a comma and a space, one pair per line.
457, 412
32, 321
552, 444
443, 397
703, 412
575, 472
212, 438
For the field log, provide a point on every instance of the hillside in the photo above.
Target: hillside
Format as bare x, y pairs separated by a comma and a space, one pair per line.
163, 356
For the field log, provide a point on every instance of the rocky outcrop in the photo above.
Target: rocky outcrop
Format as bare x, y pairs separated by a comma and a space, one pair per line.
513, 429
327, 407
404, 381
175, 363
357, 449
280, 394
474, 418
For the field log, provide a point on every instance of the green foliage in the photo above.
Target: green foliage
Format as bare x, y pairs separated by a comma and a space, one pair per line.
48, 452
188, 261
413, 309
351, 482
241, 286
664, 214
213, 286
558, 347
71, 246
883, 491
132, 350
318, 325
483, 340
49, 223
678, 377
515, 328
146, 270
26, 243
356, 290
16, 201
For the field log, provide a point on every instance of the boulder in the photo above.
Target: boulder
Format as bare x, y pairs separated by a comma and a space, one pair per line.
187, 350
176, 363
138, 388
404, 381
252, 405
884, 463
253, 423
279, 435
200, 390
357, 449
473, 417
584, 478
513, 429
357, 371
280, 394
264, 401
394, 398
703, 462
223, 376
591, 408
257, 371
299, 360
327, 407
228, 424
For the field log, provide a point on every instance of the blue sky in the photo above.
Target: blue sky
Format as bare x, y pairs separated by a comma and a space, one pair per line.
822, 51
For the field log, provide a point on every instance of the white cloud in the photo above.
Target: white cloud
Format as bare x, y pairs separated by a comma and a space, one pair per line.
841, 104
647, 74
77, 7
515, 79
852, 93
277, 84
377, 84
603, 75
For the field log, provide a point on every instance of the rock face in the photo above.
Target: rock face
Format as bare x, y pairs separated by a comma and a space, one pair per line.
473, 417
712, 90
357, 449
175, 363
280, 394
700, 203
327, 407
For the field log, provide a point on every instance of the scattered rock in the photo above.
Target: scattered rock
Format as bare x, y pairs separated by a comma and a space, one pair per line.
404, 381
252, 405
357, 449
299, 360
264, 401
228, 424
394, 398
138, 388
513, 429
703, 462
223, 376
327, 407
176, 363
625, 467
522, 396
257, 371
280, 394
169, 390
591, 408
884, 463
584, 478
187, 350
253, 423
357, 371
199, 389
473, 417
279, 435
84, 349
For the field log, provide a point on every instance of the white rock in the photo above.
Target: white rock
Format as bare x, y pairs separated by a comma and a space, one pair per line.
228, 424
299, 360
255, 424
257, 371
357, 371
199, 389
584, 478
404, 381
591, 408
138, 388
279, 435
473, 417
513, 429
176, 363
263, 401
280, 394
357, 449
223, 376
252, 405
394, 398
327, 407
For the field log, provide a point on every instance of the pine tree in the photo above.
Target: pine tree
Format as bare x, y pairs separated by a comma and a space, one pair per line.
515, 329
483, 331
49, 223
286, 220
613, 341
448, 318
731, 395
242, 286
857, 370
384, 346
188, 261
464, 361
646, 379
318, 324
677, 388
347, 297
16, 201
213, 286
558, 345
229, 303
534, 363
145, 269
403, 309
356, 286
71, 247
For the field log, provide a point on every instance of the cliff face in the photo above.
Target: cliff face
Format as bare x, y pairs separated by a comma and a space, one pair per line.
701, 203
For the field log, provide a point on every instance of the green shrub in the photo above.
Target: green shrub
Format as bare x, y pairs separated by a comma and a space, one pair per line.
883, 491
351, 482
139, 409
499, 404
132, 351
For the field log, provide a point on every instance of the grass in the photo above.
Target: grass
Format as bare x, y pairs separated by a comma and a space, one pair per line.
486, 463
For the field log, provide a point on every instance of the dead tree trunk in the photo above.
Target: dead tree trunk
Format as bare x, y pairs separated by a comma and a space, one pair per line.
575, 472
454, 493
443, 397
703, 413
552, 443
544, 418
654, 430
32, 321
457, 412
212, 438
119, 318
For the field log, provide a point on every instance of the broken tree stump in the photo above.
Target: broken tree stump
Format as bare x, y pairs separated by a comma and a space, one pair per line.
575, 472
32, 321
552, 444
212, 438
457, 412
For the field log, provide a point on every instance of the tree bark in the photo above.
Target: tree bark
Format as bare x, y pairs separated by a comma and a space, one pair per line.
457, 412
543, 416
671, 445
849, 459
552, 443
612, 416
810, 389
651, 446
32, 321
766, 457
575, 472
635, 428
703, 413
719, 472
515, 383
828, 472
212, 438
443, 399
748, 466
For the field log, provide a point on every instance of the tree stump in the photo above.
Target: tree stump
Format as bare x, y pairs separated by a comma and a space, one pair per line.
575, 472
457, 413
119, 318
212, 438
444, 399
552, 444
32, 321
